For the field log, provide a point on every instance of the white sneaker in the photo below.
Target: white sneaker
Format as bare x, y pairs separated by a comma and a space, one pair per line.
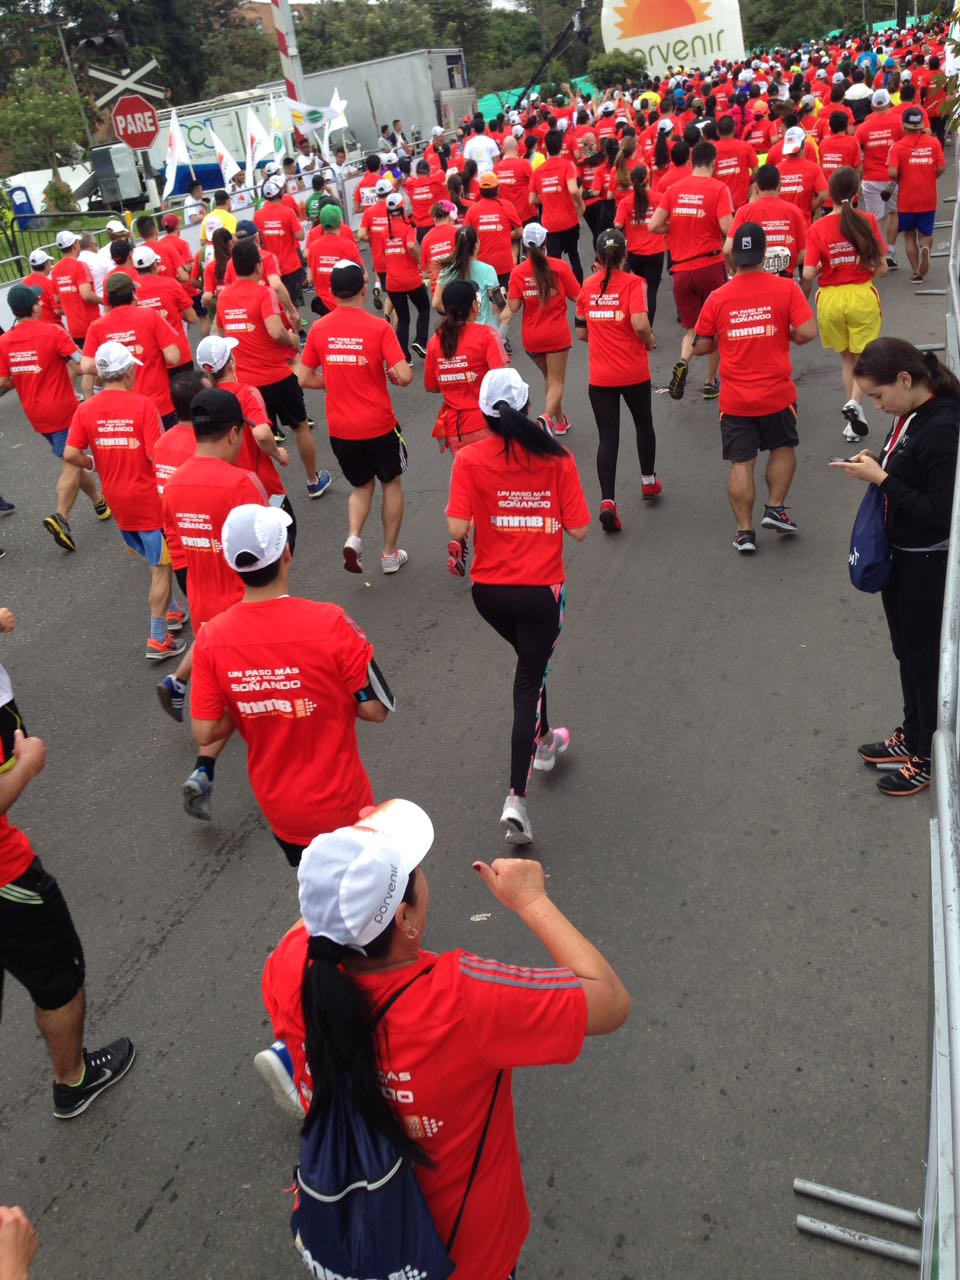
353, 554
275, 1067
394, 563
857, 426
555, 744
514, 820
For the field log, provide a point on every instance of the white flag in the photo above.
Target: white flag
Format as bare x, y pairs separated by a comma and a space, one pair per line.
259, 144
338, 111
276, 132
309, 119
228, 166
176, 154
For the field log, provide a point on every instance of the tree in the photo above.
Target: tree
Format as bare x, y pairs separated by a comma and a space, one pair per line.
333, 32
232, 53
616, 68
41, 118
462, 23
510, 52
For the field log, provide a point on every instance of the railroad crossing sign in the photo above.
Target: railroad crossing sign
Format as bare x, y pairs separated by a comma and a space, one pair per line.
135, 121
127, 82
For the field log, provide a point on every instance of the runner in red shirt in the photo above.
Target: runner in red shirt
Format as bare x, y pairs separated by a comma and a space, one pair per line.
760, 132
498, 228
39, 278
373, 227
41, 363
405, 285
835, 106
315, 678
423, 191
458, 356
542, 286
281, 232
440, 241
916, 162
554, 188
350, 354
784, 226
165, 294
645, 252
737, 163
515, 176
167, 249
270, 277
839, 149
172, 240
364, 193
120, 428
145, 334
881, 129
324, 252
752, 320
801, 181
612, 319
695, 216
73, 284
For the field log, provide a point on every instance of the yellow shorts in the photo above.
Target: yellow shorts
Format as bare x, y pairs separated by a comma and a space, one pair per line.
849, 316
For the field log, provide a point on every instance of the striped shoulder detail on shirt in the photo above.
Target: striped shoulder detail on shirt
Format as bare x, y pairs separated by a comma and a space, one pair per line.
508, 975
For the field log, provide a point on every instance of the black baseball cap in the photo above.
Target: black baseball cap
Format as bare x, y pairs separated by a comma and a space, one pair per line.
611, 239
749, 245
212, 408
913, 118
21, 300
246, 228
346, 279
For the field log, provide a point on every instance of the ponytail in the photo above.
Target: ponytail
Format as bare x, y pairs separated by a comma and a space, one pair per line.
641, 197
844, 188
626, 153
222, 240
516, 430
450, 328
661, 153
461, 261
610, 259
542, 273
884, 358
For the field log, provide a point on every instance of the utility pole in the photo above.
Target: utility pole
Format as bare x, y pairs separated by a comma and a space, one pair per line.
76, 87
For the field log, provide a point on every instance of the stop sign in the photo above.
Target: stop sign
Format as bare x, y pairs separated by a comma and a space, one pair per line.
135, 121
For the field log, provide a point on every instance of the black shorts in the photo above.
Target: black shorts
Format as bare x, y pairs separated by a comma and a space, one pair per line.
39, 945
178, 369
382, 458
292, 852
743, 438
293, 282
284, 401
181, 577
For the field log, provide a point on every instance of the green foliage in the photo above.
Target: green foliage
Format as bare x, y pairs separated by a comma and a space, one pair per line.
511, 51
342, 31
41, 118
58, 198
606, 69
460, 22
767, 23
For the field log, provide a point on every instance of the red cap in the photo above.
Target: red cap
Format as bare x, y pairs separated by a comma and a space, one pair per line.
170, 222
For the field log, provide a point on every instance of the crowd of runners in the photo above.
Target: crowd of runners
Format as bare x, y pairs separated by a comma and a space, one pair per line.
169, 386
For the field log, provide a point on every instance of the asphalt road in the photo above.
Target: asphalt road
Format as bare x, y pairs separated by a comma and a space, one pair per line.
711, 829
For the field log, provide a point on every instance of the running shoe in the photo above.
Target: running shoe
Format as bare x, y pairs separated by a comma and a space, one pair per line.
172, 694
377, 295
892, 263
2, 553
777, 518
198, 794
746, 540
169, 647
678, 380
176, 618
562, 426
6, 508
608, 517
891, 751
420, 349
311, 425
275, 1067
912, 778
457, 557
279, 435
101, 1069
548, 748
103, 512
353, 554
393, 563
856, 427
547, 424
711, 390
915, 279
515, 821
507, 346
320, 486
653, 490
59, 530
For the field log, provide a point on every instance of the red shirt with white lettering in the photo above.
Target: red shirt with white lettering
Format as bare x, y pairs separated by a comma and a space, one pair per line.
33, 356
515, 176
838, 151
49, 302
751, 317
169, 454
696, 207
458, 377
760, 134
323, 253
829, 249
736, 161
435, 247
278, 227
618, 358
121, 429
918, 159
494, 221
876, 136
67, 276
423, 193
196, 501
784, 225
550, 182
353, 349
639, 239
545, 326
168, 296
286, 671
801, 181
374, 222
242, 311
402, 268
520, 506
144, 333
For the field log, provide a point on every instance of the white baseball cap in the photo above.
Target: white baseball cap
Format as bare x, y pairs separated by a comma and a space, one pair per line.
271, 188
665, 124
436, 131
880, 99
117, 227
213, 352
390, 158
518, 130
394, 200
503, 384
794, 140
607, 109
144, 256
906, 74
352, 880
838, 77
563, 124
114, 357
535, 234
270, 166
821, 74
382, 187
66, 239
39, 258
259, 531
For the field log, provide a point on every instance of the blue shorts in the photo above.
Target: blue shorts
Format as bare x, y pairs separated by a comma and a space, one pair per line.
148, 543
922, 222
57, 441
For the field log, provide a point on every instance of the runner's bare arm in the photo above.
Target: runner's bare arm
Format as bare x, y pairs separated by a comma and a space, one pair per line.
207, 731
311, 379
77, 458
401, 375
171, 355
280, 333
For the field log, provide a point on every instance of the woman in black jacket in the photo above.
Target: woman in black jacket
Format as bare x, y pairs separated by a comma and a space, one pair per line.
915, 471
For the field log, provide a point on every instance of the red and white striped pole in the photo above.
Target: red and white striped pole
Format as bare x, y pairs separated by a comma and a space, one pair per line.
289, 53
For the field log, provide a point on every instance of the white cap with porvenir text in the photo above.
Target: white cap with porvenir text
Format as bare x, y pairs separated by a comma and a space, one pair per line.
503, 385
257, 531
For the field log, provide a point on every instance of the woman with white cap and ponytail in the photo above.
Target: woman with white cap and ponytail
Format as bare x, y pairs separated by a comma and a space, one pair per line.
358, 1002
522, 491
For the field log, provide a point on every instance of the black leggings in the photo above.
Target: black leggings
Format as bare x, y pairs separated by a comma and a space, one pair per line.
605, 402
650, 266
529, 618
401, 304
913, 603
566, 242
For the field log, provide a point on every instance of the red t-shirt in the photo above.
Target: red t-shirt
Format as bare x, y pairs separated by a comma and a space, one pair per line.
278, 224
544, 328
170, 244
323, 253
144, 333
374, 222
736, 161
458, 377
171, 258
751, 317
435, 247
821, 129
760, 134
16, 852
515, 175
801, 181
829, 249
402, 268
423, 193
33, 356
269, 266
441, 1046
783, 223
917, 158
876, 136
48, 298
617, 356
242, 311
196, 501
121, 429
639, 239
169, 454
838, 151
695, 207
363, 193
286, 670
810, 152
252, 458
166, 295
494, 221
672, 174
352, 349
126, 269
520, 506
557, 211
67, 276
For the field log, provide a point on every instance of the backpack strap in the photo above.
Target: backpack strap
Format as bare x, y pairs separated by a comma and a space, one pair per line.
476, 1160
389, 1003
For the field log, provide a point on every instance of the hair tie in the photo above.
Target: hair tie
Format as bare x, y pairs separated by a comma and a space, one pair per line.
931, 361
319, 948
847, 201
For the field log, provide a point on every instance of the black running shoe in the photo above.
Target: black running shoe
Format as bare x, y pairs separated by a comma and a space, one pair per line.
59, 530
279, 435
745, 541
103, 1068
101, 508
420, 349
377, 295
891, 751
678, 380
908, 781
777, 518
